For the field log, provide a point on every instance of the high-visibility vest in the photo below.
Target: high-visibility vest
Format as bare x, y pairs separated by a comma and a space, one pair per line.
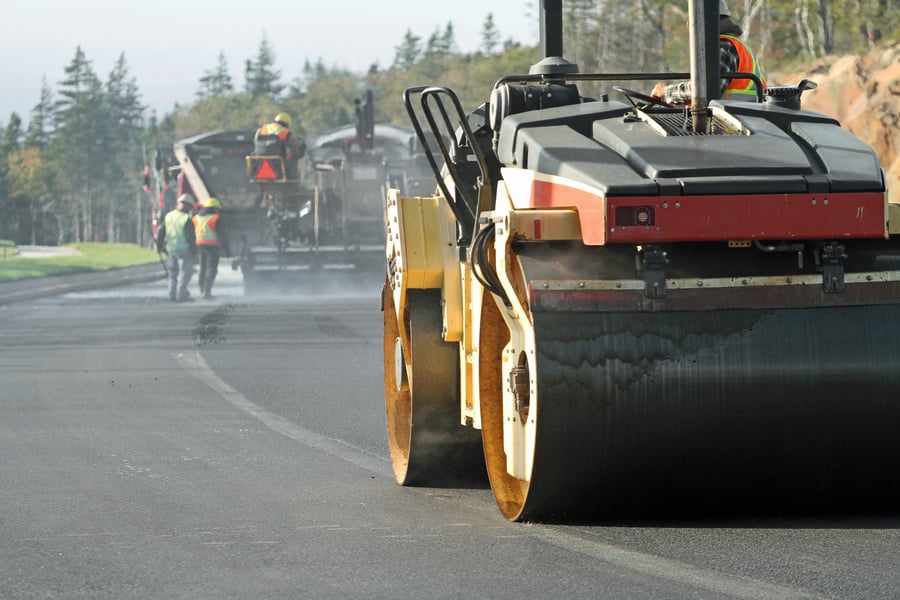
740, 89
278, 130
176, 240
205, 229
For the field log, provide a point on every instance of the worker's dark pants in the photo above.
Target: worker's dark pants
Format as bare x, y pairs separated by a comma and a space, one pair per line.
209, 266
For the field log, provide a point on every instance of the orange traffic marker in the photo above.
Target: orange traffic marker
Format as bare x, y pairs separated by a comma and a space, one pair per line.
266, 171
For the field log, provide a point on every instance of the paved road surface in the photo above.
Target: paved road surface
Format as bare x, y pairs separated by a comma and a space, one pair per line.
235, 448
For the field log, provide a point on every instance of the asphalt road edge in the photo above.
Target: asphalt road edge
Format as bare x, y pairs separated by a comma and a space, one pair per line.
40, 287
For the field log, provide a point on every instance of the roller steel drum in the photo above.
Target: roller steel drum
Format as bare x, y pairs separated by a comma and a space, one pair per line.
660, 412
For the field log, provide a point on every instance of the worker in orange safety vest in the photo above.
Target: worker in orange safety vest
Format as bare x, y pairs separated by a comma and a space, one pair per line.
211, 243
734, 57
276, 139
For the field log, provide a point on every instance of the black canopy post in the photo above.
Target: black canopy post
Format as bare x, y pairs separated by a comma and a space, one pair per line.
551, 28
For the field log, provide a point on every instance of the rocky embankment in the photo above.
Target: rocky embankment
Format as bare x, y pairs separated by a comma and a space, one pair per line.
863, 93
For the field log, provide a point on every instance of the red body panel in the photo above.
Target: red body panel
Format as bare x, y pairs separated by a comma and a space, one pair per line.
720, 218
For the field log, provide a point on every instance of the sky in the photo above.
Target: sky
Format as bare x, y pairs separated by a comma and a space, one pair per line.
169, 44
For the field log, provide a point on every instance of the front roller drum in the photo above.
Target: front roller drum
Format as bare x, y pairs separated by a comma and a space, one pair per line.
707, 412
428, 445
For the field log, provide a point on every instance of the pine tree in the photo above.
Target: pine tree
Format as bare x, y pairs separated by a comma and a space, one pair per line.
121, 148
80, 115
440, 43
311, 73
448, 39
407, 54
123, 98
40, 127
261, 78
216, 82
489, 35
438, 50
9, 145
11, 139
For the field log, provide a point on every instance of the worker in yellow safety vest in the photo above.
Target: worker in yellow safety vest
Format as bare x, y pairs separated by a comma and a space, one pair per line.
211, 243
176, 238
734, 57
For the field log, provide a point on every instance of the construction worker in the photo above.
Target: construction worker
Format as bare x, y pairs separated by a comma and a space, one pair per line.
211, 241
734, 57
176, 237
275, 139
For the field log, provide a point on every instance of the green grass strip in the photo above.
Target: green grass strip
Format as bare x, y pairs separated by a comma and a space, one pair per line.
93, 257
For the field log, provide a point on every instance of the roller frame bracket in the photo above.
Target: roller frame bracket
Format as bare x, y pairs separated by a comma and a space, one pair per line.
833, 257
654, 261
518, 383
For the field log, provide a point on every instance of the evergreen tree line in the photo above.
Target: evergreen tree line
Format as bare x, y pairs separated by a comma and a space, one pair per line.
73, 173
65, 177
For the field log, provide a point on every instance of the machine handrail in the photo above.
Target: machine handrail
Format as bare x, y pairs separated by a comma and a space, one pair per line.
431, 100
628, 76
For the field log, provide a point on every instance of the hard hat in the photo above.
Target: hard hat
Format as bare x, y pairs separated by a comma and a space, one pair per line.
283, 118
212, 203
723, 9
186, 199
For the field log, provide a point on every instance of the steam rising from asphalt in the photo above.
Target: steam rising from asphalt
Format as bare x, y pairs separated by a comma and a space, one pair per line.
229, 288
287, 286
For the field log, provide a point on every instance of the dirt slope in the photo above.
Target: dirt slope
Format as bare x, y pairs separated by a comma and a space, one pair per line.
863, 93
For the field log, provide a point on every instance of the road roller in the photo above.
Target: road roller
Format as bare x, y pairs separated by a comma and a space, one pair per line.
612, 306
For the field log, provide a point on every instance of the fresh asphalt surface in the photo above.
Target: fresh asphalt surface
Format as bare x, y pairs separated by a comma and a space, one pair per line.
235, 448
